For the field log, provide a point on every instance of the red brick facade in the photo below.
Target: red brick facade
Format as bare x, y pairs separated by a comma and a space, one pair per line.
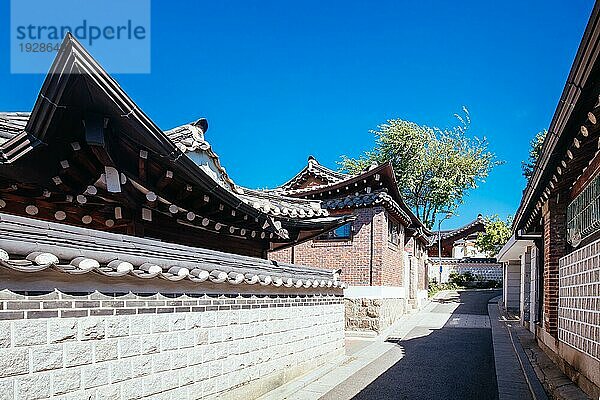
391, 261
554, 216
368, 258
352, 256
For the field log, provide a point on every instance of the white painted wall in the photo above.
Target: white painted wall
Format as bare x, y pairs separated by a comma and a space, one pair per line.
512, 284
534, 288
487, 271
524, 290
375, 292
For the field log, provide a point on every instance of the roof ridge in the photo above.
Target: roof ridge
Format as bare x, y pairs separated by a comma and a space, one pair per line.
318, 170
451, 232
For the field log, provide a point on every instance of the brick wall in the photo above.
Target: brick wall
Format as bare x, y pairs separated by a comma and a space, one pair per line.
579, 304
284, 255
353, 256
126, 346
392, 263
555, 223
394, 266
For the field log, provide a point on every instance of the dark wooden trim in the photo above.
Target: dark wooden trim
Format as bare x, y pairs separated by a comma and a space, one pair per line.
590, 173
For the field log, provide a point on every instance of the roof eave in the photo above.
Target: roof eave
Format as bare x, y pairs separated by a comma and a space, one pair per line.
74, 58
583, 63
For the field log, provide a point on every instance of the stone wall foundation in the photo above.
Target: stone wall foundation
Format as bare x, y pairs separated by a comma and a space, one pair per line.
373, 315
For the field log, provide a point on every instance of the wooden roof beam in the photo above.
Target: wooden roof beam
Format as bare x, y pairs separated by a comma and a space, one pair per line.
142, 166
164, 180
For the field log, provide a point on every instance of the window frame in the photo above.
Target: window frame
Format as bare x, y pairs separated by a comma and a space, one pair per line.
394, 231
326, 237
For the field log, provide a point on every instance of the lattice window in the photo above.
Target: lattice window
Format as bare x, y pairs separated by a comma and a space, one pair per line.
583, 213
393, 231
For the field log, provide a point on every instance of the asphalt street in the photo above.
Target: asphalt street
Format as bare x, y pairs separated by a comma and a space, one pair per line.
448, 355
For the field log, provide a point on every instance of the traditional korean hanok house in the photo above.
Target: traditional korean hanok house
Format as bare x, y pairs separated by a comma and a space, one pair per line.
461, 255
125, 263
381, 253
552, 261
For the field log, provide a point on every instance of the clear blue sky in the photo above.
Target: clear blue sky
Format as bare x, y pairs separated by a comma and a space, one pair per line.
279, 80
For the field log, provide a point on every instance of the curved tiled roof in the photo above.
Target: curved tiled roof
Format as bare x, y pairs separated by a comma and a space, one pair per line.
11, 124
277, 205
190, 138
453, 232
466, 260
389, 196
312, 168
330, 183
366, 200
32, 246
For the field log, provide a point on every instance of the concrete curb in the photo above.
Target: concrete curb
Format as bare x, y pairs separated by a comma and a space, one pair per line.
554, 381
510, 377
535, 386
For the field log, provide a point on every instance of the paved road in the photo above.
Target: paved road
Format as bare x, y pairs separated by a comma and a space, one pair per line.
448, 354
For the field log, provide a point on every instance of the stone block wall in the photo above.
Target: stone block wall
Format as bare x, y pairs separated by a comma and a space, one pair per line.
579, 300
56, 345
374, 315
485, 272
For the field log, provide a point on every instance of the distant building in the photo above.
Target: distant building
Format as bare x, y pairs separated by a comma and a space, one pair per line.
460, 242
552, 261
460, 254
381, 253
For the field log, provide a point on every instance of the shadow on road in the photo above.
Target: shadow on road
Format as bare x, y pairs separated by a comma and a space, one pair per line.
472, 301
452, 362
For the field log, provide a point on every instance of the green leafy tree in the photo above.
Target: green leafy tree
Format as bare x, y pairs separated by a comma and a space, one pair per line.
535, 149
434, 167
497, 232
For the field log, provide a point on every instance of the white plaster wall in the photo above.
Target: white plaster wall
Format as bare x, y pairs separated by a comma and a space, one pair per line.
525, 286
487, 271
375, 292
534, 288
512, 284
